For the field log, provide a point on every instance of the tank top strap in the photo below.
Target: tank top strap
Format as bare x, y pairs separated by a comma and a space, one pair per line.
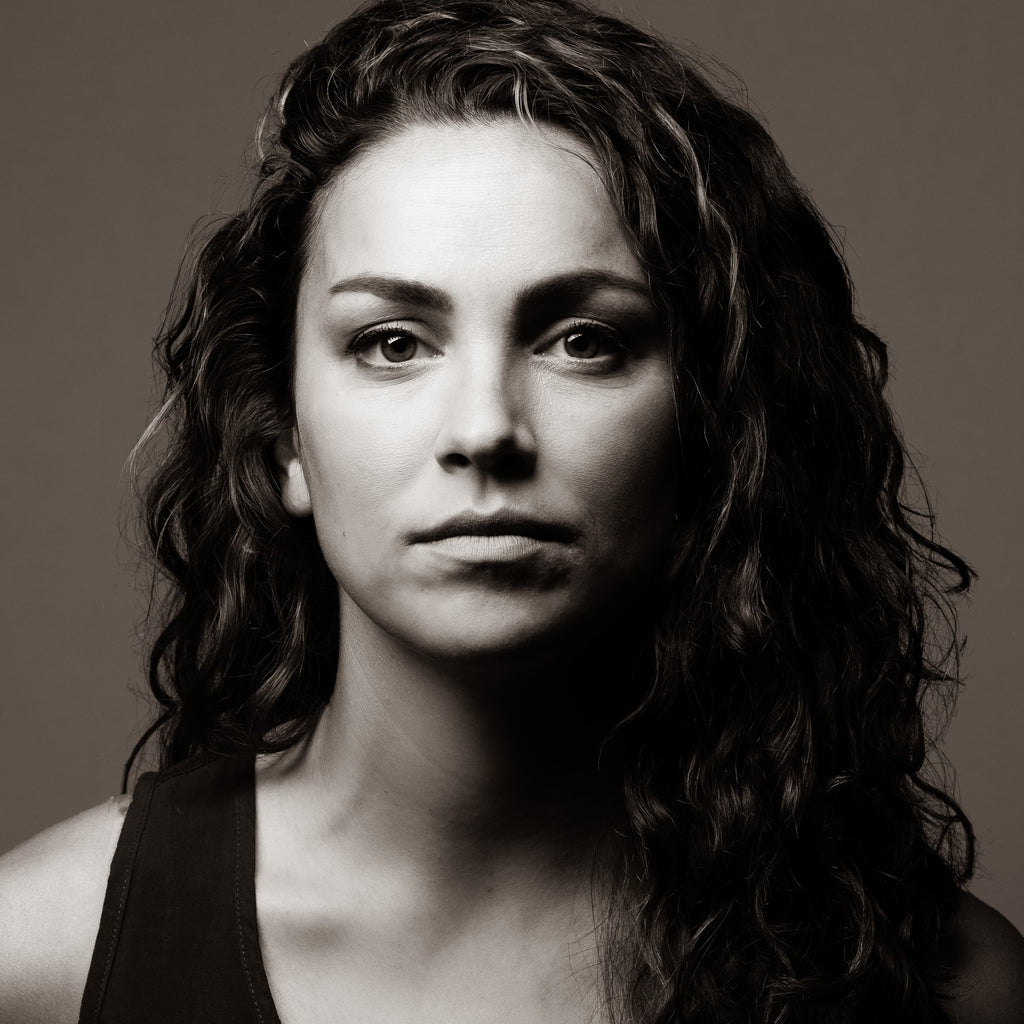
178, 938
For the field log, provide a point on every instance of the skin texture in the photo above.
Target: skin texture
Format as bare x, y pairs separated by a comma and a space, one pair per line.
495, 410
51, 897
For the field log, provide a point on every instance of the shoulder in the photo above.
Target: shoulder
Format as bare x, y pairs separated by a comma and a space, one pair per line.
985, 954
51, 898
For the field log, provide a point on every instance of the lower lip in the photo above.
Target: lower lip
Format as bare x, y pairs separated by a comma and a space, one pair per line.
505, 547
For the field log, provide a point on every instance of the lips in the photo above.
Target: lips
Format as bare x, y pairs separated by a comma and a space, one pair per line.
496, 524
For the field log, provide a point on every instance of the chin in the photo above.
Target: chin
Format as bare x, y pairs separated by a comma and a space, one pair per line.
506, 633
489, 639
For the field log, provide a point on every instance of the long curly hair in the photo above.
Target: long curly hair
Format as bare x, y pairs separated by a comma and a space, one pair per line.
789, 854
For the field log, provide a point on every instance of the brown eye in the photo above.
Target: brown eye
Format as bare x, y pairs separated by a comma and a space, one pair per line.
386, 346
590, 342
584, 344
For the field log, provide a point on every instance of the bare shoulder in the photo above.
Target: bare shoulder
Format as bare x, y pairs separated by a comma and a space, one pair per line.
986, 954
51, 898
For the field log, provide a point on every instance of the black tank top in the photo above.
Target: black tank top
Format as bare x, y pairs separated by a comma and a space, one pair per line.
178, 941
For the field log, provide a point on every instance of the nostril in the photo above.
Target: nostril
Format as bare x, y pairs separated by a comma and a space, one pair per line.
486, 428
505, 458
509, 462
514, 465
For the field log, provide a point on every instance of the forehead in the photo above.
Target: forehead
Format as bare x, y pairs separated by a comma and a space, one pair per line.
461, 205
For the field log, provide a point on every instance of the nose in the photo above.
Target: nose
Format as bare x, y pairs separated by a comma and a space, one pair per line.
485, 424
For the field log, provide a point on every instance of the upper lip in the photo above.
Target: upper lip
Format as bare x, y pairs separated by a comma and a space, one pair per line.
495, 524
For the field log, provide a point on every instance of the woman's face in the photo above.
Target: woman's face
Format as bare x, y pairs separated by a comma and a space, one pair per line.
484, 420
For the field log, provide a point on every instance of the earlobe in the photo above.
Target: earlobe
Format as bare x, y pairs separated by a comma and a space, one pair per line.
294, 492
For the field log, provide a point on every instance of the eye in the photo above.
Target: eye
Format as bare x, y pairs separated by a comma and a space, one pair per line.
389, 346
587, 341
397, 348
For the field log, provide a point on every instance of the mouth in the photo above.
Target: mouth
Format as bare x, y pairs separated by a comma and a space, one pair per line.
496, 524
505, 547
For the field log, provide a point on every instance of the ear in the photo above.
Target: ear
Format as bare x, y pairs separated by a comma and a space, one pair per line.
294, 492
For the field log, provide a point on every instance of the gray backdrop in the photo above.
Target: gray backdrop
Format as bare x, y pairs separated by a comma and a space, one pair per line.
124, 121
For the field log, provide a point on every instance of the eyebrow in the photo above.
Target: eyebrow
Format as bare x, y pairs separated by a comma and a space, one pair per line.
395, 289
572, 285
576, 285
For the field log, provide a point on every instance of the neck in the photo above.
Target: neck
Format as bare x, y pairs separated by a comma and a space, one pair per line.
452, 764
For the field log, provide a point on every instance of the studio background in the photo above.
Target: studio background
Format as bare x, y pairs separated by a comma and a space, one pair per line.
124, 122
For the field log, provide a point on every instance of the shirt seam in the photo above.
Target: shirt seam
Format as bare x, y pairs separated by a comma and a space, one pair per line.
118, 921
238, 915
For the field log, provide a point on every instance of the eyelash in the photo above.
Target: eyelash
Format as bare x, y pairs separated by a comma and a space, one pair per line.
372, 336
365, 340
602, 332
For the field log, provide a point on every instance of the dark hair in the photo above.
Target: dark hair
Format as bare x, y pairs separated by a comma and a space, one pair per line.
786, 856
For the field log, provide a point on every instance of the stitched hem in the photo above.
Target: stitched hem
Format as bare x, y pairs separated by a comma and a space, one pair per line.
112, 916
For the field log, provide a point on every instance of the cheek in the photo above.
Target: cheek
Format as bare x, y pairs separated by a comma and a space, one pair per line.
622, 454
356, 460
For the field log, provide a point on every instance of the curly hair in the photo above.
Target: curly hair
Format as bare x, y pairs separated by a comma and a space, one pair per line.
788, 854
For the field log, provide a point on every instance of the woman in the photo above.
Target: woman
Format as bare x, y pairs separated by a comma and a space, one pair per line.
531, 513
